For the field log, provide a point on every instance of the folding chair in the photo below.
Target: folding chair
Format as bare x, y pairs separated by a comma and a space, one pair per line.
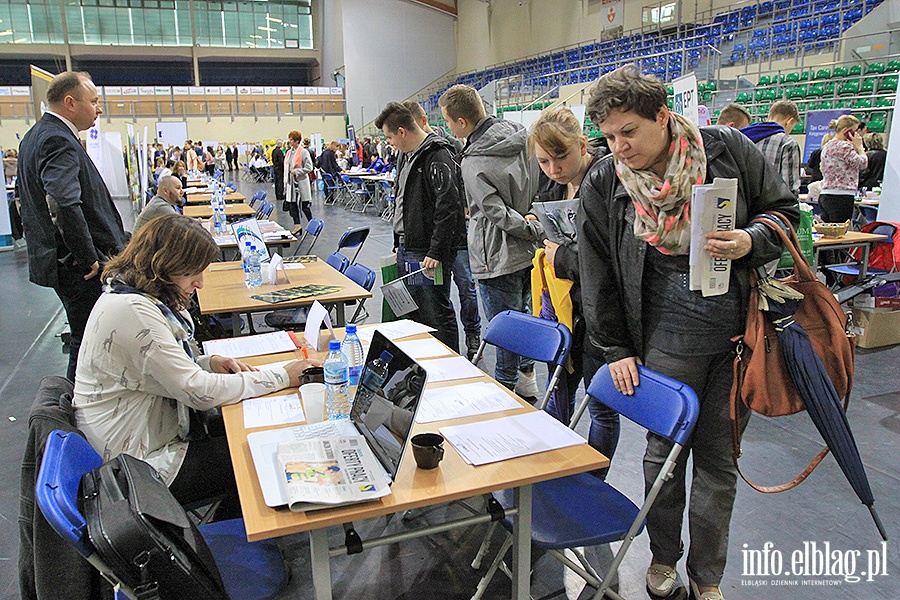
338, 261
388, 213
364, 277
353, 238
249, 570
312, 230
853, 269
582, 510
332, 188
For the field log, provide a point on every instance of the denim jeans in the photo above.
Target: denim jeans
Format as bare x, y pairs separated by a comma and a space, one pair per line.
508, 292
468, 297
714, 477
435, 308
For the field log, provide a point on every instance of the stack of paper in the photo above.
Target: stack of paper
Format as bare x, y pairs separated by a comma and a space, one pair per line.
251, 345
439, 404
394, 330
712, 209
446, 369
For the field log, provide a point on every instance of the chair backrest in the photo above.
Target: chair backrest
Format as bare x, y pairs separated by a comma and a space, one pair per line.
661, 404
67, 456
338, 261
529, 336
314, 227
353, 238
361, 275
253, 202
263, 194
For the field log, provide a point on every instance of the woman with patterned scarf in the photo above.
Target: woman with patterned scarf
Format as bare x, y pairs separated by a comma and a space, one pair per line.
634, 240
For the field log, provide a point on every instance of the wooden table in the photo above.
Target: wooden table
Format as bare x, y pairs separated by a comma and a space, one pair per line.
851, 239
204, 211
413, 488
224, 290
203, 198
196, 183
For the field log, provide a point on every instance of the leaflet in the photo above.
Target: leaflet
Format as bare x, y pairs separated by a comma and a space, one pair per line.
712, 209
273, 410
251, 345
447, 369
330, 471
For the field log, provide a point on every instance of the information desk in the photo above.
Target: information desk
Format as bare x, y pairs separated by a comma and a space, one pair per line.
413, 488
224, 290
204, 211
848, 241
204, 198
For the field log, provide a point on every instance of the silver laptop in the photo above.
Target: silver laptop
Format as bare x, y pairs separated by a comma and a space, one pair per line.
384, 419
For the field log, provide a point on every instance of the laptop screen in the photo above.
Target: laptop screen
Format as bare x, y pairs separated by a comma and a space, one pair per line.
384, 407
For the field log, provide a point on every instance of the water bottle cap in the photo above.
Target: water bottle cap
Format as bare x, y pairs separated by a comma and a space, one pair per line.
351, 328
334, 345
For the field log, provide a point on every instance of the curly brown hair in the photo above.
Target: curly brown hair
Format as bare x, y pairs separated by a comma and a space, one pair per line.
166, 247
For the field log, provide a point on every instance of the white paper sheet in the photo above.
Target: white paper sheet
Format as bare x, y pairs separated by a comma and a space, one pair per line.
465, 400
251, 345
446, 369
394, 330
509, 437
317, 315
426, 348
273, 366
273, 410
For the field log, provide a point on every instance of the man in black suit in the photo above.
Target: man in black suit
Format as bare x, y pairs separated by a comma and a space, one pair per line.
278, 169
70, 221
229, 157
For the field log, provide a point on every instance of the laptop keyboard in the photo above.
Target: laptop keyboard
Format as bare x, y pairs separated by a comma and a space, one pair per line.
317, 430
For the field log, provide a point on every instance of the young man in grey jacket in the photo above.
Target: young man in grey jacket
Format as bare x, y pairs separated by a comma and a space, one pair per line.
500, 182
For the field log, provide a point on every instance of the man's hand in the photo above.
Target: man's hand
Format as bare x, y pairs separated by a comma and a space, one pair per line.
95, 268
430, 263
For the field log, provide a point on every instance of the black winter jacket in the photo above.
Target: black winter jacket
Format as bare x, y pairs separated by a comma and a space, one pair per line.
433, 206
612, 259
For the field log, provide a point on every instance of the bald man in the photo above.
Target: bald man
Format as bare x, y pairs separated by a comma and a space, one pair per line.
168, 196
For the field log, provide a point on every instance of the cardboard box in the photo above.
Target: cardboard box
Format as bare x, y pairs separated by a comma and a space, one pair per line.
878, 327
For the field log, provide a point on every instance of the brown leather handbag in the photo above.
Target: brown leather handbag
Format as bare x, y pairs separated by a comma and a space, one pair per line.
761, 381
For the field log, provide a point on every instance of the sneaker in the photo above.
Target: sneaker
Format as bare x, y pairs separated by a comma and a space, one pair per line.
660, 580
696, 595
527, 386
473, 342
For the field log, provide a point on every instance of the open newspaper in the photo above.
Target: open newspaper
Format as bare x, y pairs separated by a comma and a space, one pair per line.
330, 471
712, 209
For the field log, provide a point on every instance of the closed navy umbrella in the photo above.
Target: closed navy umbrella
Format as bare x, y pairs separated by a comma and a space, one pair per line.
817, 391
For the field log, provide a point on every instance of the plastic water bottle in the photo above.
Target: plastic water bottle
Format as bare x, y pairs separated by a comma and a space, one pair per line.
254, 268
353, 352
245, 262
373, 378
337, 393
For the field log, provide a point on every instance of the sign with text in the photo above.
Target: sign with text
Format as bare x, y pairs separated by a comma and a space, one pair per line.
613, 19
817, 126
686, 97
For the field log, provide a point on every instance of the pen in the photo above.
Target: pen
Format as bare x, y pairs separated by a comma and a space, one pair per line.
305, 352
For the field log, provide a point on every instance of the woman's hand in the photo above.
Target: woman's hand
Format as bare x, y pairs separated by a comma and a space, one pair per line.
550, 250
295, 369
733, 244
223, 364
854, 137
625, 375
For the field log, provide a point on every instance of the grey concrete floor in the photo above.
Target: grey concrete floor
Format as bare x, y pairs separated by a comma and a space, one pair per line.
822, 510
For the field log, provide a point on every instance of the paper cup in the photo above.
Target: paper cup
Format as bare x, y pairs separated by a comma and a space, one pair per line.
313, 396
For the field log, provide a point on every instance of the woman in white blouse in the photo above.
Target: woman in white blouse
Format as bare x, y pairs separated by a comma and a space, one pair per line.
138, 377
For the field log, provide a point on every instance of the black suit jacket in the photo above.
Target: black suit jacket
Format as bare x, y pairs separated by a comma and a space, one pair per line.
55, 171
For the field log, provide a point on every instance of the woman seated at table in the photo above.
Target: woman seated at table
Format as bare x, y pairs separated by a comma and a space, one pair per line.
138, 376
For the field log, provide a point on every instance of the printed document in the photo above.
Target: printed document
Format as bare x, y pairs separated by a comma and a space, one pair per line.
466, 400
273, 410
251, 345
394, 330
426, 348
712, 209
509, 437
446, 369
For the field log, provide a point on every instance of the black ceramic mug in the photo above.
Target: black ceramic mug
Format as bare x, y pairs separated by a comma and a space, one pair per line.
428, 449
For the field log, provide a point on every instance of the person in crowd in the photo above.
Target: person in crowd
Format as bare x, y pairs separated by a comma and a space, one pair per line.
842, 160
563, 153
278, 171
229, 157
82, 228
209, 161
429, 219
500, 182
159, 167
180, 171
168, 199
633, 244
814, 165
139, 374
734, 115
10, 164
191, 160
220, 158
307, 145
327, 161
779, 148
462, 272
175, 153
259, 167
297, 166
877, 158
159, 152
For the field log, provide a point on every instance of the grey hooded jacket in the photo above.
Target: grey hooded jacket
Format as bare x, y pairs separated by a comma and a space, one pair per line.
501, 182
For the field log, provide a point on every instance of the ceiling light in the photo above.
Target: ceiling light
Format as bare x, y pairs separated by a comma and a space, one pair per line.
7, 32
261, 28
256, 37
20, 40
273, 19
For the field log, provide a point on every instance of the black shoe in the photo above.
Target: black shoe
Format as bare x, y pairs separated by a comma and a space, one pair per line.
473, 342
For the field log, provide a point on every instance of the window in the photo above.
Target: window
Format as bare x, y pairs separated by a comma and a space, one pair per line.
662, 14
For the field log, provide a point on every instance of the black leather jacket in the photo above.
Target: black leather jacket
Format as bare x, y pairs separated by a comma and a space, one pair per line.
611, 258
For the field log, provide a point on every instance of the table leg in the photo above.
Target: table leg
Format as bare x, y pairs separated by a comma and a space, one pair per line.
340, 316
864, 264
321, 565
236, 324
521, 550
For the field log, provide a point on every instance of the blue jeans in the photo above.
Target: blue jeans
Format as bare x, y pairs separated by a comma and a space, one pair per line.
435, 308
468, 297
508, 292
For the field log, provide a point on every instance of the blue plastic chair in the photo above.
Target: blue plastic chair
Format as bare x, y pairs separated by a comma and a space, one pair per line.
312, 231
853, 269
364, 277
582, 510
353, 238
249, 570
338, 261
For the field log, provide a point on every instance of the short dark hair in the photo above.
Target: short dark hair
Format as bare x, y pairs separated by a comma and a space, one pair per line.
66, 84
415, 109
785, 109
733, 113
395, 116
626, 89
463, 101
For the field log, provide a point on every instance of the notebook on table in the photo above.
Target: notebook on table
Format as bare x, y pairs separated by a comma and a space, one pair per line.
385, 422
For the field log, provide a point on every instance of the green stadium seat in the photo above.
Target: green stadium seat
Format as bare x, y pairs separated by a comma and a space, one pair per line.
800, 127
743, 98
850, 87
707, 97
823, 74
863, 103
893, 66
826, 105
843, 103
816, 90
855, 70
670, 91
711, 86
867, 86
882, 102
792, 77
771, 95
875, 68
670, 103
840, 72
806, 75
888, 84
829, 89
764, 80
799, 91
877, 123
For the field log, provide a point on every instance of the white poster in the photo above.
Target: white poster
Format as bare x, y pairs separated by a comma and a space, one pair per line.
890, 205
613, 19
686, 103
94, 147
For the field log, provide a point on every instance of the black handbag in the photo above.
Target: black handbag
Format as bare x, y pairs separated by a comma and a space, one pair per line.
145, 537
